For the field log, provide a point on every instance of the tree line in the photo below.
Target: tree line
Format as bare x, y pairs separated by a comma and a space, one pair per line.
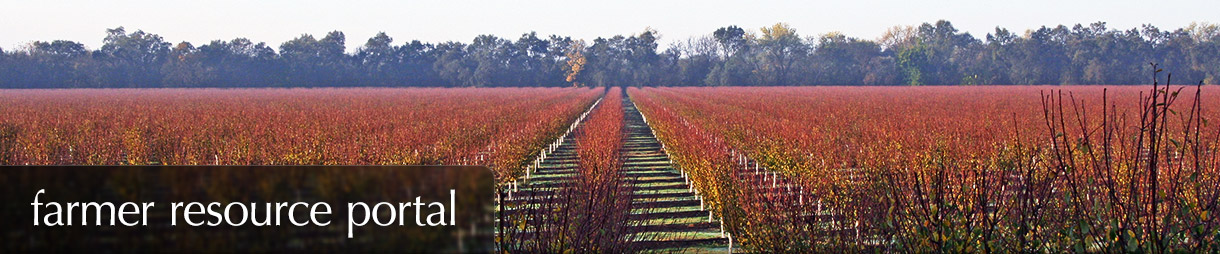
928, 54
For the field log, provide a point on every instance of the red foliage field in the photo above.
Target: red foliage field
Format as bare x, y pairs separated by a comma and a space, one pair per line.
788, 169
958, 169
586, 209
502, 127
603, 198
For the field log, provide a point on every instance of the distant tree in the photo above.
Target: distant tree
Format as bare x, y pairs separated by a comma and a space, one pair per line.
377, 61
240, 62
1204, 54
418, 61
898, 37
6, 70
59, 49
605, 62
731, 38
184, 68
882, 71
1041, 57
927, 54
336, 64
303, 56
944, 48
780, 48
695, 59
491, 56
736, 62
453, 66
842, 60
667, 68
530, 61
576, 61
555, 63
133, 60
994, 63
313, 62
56, 64
914, 61
643, 61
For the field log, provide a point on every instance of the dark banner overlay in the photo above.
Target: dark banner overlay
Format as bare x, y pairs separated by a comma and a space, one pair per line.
247, 208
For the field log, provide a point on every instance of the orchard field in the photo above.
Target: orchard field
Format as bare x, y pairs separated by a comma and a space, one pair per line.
496, 127
957, 169
754, 169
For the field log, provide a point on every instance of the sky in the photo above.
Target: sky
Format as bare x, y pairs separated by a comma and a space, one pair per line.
276, 21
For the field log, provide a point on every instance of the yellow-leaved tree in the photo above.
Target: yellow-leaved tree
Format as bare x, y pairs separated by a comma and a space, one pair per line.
576, 61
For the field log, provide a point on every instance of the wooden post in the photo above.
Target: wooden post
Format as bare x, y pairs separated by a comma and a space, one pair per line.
730, 243
819, 207
857, 230
801, 196
774, 179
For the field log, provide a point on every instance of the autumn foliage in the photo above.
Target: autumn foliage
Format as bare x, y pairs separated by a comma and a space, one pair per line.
956, 169
500, 127
587, 207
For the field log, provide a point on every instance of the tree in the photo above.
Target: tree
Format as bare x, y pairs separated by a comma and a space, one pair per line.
1205, 52
928, 54
334, 61
377, 60
995, 63
642, 58
735, 63
313, 62
183, 69
133, 60
491, 56
529, 61
304, 57
944, 48
1041, 57
732, 39
780, 49
453, 66
842, 60
240, 62
695, 59
7, 71
898, 37
576, 61
913, 61
57, 64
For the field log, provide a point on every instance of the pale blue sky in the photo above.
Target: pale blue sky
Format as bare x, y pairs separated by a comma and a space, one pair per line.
276, 21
